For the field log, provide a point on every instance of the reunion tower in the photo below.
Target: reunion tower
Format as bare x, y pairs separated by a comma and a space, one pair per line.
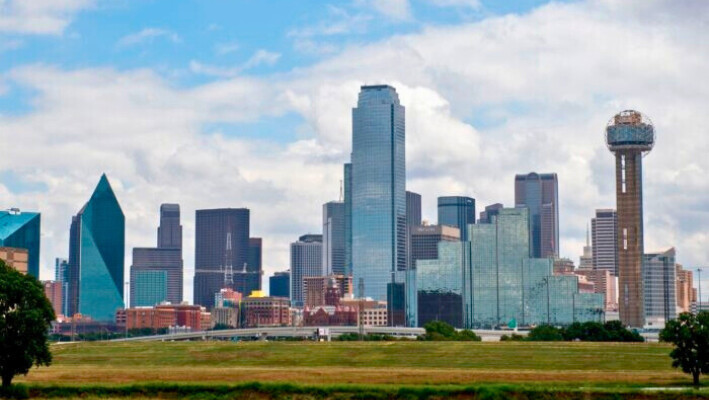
630, 135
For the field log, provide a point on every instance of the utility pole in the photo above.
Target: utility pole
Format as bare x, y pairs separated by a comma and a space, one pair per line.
699, 286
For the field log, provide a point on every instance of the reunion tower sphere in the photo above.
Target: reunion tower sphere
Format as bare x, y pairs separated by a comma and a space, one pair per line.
630, 130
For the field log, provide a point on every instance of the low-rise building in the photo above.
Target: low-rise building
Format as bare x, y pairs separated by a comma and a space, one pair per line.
163, 316
258, 310
54, 292
15, 258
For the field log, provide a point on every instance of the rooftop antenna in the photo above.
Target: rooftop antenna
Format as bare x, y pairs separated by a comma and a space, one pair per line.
228, 268
341, 192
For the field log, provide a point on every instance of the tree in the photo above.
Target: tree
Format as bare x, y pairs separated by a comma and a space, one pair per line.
442, 331
545, 333
690, 335
25, 318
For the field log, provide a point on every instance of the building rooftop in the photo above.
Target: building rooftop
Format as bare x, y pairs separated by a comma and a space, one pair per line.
11, 221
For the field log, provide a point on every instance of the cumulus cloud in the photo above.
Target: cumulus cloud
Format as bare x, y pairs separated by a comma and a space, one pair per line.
39, 17
484, 101
148, 35
260, 57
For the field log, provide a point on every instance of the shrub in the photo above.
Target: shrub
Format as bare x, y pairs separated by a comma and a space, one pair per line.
545, 333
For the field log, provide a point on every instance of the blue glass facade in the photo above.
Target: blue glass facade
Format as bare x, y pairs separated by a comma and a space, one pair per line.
279, 284
457, 211
96, 256
490, 281
539, 193
378, 190
348, 218
21, 230
149, 288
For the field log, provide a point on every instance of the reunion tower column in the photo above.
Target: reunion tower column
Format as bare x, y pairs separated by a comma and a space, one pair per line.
630, 135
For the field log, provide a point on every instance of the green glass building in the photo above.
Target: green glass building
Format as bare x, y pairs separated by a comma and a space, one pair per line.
150, 287
490, 281
96, 256
21, 230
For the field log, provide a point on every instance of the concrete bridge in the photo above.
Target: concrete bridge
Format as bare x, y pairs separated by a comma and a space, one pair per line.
304, 331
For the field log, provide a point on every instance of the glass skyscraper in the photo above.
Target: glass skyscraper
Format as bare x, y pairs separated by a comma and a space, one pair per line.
167, 258
659, 288
539, 193
457, 211
21, 230
96, 256
378, 192
305, 261
348, 218
333, 233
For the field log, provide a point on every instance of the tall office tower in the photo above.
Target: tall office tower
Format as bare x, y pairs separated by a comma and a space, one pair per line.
685, 291
221, 252
333, 234
490, 211
305, 261
348, 218
279, 284
20, 230
457, 211
61, 274
659, 288
423, 245
630, 135
604, 240
413, 209
378, 193
170, 230
156, 274
251, 280
96, 256
53, 292
540, 194
586, 259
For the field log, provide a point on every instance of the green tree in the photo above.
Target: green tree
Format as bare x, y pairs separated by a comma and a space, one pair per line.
442, 331
545, 333
25, 318
690, 335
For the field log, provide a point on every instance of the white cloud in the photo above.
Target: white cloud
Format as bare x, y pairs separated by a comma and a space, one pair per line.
260, 57
394, 9
148, 35
40, 17
474, 4
538, 88
226, 48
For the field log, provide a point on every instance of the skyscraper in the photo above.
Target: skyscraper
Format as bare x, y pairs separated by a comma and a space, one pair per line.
279, 284
156, 274
457, 211
21, 230
659, 288
604, 240
96, 256
413, 209
221, 252
490, 211
378, 191
305, 261
61, 274
540, 194
251, 279
586, 259
333, 233
348, 218
629, 135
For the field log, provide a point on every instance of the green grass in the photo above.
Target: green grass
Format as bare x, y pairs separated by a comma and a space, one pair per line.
393, 365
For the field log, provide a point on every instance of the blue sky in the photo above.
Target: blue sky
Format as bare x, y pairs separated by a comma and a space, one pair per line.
247, 104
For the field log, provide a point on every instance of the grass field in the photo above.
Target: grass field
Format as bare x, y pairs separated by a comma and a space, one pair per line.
385, 363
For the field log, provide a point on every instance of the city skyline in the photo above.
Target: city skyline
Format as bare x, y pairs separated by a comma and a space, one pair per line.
305, 169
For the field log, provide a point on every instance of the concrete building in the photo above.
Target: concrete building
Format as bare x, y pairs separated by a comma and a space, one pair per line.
195, 318
604, 234
97, 255
306, 261
659, 285
539, 193
586, 259
333, 234
458, 212
21, 230
54, 292
563, 266
378, 181
630, 135
17, 259
279, 284
686, 293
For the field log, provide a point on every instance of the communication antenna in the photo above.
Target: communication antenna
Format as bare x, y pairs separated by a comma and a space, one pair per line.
228, 268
